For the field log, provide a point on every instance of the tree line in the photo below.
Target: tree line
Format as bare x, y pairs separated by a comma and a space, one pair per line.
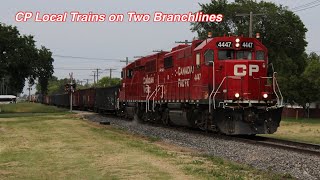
57, 86
21, 60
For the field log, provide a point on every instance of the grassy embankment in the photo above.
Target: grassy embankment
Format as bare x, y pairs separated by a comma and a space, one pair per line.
54, 144
302, 130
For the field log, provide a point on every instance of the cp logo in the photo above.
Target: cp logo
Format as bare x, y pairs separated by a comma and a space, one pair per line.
241, 69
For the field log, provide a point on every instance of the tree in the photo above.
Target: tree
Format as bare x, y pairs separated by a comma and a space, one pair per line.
21, 60
106, 82
310, 80
55, 85
44, 69
282, 32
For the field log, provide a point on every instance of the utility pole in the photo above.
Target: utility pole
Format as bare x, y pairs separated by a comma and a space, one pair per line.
29, 89
126, 61
87, 80
186, 42
94, 77
251, 21
2, 85
97, 74
71, 90
110, 69
80, 82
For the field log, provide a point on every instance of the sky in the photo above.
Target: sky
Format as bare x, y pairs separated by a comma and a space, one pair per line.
117, 40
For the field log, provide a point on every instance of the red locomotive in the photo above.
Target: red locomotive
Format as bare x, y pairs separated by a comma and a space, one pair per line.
218, 84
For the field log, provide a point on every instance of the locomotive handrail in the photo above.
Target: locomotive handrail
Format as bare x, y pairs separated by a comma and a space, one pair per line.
275, 89
149, 97
275, 83
210, 103
153, 103
213, 94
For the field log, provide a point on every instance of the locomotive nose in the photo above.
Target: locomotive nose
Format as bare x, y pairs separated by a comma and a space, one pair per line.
243, 79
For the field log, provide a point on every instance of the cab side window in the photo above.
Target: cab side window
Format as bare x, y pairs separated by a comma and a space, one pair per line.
168, 62
129, 73
209, 57
122, 74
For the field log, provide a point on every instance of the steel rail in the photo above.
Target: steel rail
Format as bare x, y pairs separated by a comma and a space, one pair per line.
300, 147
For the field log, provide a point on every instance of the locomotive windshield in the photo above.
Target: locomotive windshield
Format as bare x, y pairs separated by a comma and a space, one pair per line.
240, 55
244, 55
260, 55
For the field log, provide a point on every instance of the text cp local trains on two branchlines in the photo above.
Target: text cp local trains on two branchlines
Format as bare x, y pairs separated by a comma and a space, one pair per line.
217, 84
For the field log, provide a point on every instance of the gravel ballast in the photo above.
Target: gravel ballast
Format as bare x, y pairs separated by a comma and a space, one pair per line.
301, 166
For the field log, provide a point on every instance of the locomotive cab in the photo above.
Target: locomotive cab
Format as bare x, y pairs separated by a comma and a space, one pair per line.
241, 97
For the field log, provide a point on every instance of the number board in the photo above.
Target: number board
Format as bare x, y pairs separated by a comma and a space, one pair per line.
224, 44
247, 44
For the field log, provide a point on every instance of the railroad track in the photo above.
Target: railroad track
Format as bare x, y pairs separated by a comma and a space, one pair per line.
306, 148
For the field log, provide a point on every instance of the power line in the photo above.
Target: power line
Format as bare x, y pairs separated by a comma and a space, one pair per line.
251, 21
126, 61
94, 77
87, 58
307, 8
110, 70
76, 69
87, 80
97, 74
305, 5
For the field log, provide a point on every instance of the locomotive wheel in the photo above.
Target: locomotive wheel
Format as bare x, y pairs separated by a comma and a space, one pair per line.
165, 117
139, 114
203, 121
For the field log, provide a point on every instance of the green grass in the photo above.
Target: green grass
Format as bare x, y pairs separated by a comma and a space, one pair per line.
301, 130
62, 146
29, 108
302, 120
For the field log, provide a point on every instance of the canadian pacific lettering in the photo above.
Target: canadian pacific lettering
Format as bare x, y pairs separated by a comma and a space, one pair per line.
185, 70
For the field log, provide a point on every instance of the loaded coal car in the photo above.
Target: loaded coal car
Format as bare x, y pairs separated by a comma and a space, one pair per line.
76, 99
106, 99
61, 100
46, 100
87, 99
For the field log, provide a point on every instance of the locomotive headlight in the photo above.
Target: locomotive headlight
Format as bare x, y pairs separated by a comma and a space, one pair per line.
237, 45
237, 40
237, 95
265, 95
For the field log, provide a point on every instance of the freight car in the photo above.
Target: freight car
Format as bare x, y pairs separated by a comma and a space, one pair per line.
106, 99
218, 84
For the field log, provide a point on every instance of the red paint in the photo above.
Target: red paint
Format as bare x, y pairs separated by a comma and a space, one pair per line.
185, 81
